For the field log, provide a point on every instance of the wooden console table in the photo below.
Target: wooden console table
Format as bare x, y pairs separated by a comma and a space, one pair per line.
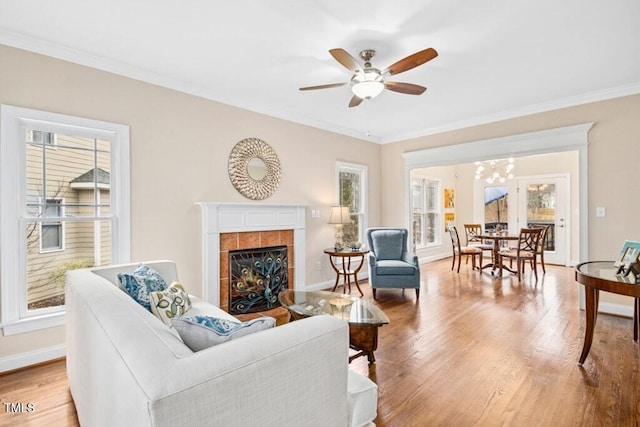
599, 276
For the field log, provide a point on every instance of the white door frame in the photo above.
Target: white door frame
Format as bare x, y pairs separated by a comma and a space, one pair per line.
564, 207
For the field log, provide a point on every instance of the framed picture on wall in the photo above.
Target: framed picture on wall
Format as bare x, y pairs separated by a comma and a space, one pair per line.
449, 219
449, 202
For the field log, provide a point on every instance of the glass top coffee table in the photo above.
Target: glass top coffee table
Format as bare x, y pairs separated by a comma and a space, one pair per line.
364, 318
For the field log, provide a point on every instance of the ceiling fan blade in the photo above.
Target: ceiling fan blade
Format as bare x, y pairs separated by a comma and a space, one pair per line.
327, 86
347, 61
407, 88
355, 101
411, 61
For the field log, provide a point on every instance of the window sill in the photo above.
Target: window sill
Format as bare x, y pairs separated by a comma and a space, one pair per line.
34, 323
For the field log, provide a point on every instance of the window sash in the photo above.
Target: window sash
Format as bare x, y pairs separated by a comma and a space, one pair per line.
426, 212
353, 177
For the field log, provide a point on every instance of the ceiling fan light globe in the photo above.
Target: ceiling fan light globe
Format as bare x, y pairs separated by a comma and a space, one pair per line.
367, 89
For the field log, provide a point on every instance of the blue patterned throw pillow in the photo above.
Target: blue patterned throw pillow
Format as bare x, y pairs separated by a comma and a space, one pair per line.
200, 332
143, 280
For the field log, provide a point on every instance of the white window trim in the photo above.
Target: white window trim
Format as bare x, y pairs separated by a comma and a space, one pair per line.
439, 210
13, 124
363, 171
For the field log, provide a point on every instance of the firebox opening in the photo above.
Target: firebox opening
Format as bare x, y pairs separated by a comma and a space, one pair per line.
256, 277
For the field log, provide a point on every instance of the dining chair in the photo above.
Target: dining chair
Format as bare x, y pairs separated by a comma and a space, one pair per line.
541, 245
459, 251
472, 231
525, 251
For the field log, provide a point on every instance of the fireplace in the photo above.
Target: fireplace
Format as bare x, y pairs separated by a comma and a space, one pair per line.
229, 227
256, 277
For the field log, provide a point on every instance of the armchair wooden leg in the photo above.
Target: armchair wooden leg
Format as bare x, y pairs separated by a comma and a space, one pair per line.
417, 293
374, 293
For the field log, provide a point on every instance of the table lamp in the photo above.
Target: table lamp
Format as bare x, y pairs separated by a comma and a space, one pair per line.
339, 217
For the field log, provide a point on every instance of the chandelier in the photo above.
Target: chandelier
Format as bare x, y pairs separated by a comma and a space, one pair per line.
498, 170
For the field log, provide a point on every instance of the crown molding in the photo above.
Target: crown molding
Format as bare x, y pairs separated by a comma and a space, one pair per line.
602, 95
76, 56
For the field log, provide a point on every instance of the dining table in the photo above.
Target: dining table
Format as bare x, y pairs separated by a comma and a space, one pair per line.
497, 237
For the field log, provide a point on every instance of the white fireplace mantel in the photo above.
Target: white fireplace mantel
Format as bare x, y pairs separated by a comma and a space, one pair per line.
220, 218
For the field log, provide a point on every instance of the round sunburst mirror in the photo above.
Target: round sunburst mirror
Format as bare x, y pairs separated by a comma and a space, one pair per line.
254, 169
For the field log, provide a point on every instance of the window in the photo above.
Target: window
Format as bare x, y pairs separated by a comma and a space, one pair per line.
62, 209
52, 233
40, 137
352, 190
426, 212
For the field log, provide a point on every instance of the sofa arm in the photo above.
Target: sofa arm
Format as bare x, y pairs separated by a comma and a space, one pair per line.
295, 372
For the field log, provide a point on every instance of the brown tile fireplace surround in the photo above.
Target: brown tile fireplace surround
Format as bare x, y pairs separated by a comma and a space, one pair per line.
251, 240
227, 227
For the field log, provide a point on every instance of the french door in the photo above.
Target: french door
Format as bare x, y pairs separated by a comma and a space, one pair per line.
544, 201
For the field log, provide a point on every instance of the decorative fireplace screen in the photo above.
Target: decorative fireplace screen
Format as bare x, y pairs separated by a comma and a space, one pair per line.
256, 278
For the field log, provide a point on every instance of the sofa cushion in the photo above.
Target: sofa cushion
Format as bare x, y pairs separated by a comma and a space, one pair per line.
200, 332
138, 284
171, 303
362, 396
395, 268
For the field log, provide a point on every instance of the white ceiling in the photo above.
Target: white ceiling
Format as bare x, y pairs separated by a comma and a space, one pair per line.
497, 58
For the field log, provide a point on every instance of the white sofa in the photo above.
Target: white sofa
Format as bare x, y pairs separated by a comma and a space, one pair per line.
126, 367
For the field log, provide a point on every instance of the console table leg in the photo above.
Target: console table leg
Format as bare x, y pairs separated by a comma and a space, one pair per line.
591, 313
636, 319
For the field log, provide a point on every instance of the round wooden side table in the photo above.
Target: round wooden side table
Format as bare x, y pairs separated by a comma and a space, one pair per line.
343, 269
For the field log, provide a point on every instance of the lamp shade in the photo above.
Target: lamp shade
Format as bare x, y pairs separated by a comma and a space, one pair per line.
340, 215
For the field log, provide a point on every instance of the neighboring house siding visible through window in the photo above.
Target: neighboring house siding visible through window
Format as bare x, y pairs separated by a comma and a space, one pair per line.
352, 191
69, 209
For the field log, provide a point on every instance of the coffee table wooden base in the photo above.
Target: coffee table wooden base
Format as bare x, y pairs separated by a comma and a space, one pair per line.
364, 339
363, 316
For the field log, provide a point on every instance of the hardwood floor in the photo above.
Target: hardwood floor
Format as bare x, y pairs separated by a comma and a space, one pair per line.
474, 351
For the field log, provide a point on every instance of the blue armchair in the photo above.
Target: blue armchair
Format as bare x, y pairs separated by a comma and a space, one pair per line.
390, 263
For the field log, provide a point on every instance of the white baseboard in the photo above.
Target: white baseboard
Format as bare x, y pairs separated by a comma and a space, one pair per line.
615, 309
21, 360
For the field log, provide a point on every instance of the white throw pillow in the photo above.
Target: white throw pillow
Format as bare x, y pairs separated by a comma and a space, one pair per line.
171, 303
200, 332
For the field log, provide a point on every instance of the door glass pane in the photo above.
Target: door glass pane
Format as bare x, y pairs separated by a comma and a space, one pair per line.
496, 208
541, 210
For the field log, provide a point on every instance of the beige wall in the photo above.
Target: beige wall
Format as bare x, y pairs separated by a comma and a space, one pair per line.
180, 144
179, 150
